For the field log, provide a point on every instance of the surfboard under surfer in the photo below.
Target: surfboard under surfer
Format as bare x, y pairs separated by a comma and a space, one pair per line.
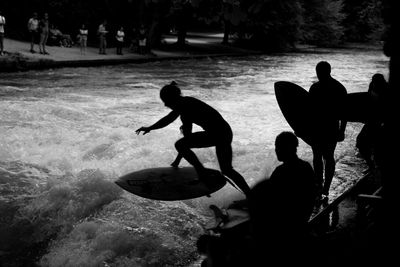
216, 132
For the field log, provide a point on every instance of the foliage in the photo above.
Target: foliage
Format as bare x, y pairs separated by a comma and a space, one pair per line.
364, 20
323, 22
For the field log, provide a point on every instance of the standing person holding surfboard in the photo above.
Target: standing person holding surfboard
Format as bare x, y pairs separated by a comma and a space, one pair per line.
327, 96
217, 132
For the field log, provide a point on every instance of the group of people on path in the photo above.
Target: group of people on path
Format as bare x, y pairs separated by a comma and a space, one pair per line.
138, 39
281, 206
41, 29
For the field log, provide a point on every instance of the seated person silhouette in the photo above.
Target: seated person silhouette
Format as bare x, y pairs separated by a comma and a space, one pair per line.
217, 132
280, 207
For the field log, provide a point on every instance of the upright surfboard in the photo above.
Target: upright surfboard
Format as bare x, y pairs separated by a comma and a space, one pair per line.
168, 183
295, 104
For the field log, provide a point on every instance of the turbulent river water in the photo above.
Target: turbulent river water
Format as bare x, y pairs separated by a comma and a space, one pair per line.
67, 134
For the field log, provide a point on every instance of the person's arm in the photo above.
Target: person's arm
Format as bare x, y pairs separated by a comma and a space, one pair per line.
159, 124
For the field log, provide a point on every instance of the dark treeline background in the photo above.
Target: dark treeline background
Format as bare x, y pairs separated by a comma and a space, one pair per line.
262, 24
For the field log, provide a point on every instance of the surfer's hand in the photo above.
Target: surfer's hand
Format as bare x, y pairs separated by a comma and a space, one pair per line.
145, 130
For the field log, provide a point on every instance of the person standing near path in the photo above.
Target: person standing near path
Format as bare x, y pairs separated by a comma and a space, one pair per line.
44, 33
33, 25
102, 32
217, 132
120, 40
2, 23
83, 34
327, 96
142, 39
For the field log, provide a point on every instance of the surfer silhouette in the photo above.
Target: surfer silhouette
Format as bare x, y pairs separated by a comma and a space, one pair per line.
216, 132
326, 95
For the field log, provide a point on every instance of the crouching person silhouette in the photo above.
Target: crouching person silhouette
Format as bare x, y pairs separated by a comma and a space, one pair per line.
216, 132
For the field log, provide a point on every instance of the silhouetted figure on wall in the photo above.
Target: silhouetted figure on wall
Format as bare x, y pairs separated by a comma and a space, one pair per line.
280, 207
217, 132
326, 95
370, 133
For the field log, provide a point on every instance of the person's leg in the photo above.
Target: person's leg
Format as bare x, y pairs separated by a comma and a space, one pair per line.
84, 45
32, 41
100, 45
195, 140
224, 155
1, 43
318, 165
41, 45
329, 157
46, 36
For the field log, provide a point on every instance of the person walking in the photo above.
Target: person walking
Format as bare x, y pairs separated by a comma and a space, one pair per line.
327, 96
33, 26
2, 23
102, 32
120, 40
83, 35
44, 33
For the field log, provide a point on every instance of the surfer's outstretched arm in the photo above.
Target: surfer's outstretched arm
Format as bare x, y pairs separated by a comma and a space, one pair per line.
159, 124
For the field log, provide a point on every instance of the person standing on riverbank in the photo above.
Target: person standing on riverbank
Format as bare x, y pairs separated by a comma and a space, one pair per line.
217, 132
83, 34
102, 32
120, 40
142, 39
44, 33
33, 25
2, 23
327, 95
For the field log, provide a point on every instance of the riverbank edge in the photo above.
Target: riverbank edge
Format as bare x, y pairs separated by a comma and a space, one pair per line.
19, 63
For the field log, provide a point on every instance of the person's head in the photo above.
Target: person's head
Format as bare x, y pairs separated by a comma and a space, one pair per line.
35, 15
323, 70
83, 26
170, 94
286, 144
378, 84
46, 15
